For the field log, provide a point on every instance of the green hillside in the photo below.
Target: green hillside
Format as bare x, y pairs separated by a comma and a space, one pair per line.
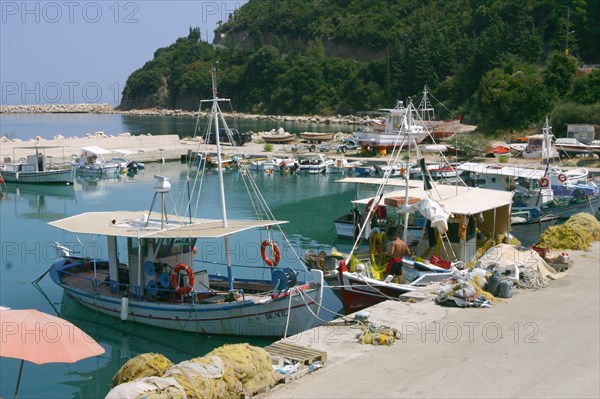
499, 63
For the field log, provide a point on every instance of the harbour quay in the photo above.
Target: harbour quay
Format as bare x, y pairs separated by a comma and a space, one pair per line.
542, 343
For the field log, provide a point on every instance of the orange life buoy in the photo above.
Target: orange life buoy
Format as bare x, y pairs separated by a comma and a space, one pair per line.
562, 178
263, 252
175, 278
544, 182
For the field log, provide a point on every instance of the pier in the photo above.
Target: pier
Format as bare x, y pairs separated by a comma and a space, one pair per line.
536, 344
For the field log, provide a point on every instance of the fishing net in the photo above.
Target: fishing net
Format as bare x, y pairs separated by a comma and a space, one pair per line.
251, 366
148, 387
144, 365
577, 233
204, 377
531, 279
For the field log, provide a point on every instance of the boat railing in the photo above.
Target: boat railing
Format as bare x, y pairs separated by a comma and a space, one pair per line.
301, 274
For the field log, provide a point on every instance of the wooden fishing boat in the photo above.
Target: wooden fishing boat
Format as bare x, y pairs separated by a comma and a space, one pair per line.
279, 138
318, 137
149, 276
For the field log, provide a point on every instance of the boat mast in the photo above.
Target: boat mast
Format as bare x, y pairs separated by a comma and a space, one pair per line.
216, 112
408, 140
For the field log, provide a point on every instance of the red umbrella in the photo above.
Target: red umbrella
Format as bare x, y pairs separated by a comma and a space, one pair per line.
41, 338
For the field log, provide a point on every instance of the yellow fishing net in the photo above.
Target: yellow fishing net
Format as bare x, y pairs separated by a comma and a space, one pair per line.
577, 233
230, 371
251, 366
144, 365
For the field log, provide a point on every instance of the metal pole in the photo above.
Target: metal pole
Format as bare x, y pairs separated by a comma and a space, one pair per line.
19, 378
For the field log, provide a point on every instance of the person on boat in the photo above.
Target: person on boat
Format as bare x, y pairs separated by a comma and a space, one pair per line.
397, 251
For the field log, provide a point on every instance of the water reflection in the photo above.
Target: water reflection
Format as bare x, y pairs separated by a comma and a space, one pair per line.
39, 201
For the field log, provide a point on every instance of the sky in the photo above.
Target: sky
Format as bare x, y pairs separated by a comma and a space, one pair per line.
68, 51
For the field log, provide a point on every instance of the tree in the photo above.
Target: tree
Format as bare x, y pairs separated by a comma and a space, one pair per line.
512, 97
560, 72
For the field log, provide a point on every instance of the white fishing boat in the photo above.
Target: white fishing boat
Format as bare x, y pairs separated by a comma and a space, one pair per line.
569, 146
271, 164
547, 191
92, 163
393, 131
315, 163
149, 275
540, 145
37, 169
344, 166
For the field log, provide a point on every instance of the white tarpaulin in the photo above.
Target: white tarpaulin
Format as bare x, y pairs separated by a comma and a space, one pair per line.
432, 211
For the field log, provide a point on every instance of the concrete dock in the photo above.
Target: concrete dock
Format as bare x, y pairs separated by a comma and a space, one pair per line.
542, 343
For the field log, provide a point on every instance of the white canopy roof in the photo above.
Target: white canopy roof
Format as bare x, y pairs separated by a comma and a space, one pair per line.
131, 224
502, 170
378, 181
455, 199
93, 149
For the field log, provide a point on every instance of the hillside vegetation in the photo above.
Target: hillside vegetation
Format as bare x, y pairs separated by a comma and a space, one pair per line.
499, 63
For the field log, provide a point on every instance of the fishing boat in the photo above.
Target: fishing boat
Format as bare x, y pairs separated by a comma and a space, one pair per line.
315, 163
344, 166
595, 147
92, 163
435, 253
548, 191
279, 138
393, 131
540, 145
149, 275
439, 129
527, 228
37, 169
452, 214
318, 137
271, 164
570, 146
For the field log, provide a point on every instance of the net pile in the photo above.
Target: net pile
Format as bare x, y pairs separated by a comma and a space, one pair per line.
577, 233
144, 365
230, 371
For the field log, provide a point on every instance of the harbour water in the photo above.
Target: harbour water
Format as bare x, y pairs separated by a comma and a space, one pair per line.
28, 126
310, 203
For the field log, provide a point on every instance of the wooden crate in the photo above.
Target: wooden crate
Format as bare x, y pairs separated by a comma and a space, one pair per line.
296, 353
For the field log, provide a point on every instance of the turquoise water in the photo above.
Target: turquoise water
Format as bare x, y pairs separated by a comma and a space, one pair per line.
310, 203
28, 126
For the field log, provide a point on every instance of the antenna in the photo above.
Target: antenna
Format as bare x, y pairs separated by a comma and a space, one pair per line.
162, 187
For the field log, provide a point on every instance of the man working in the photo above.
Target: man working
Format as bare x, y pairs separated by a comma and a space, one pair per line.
397, 251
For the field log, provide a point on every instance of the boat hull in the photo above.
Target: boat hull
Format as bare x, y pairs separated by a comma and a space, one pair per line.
529, 232
274, 317
359, 292
62, 176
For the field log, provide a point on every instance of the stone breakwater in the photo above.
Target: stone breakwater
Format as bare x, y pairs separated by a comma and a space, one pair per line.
56, 109
109, 109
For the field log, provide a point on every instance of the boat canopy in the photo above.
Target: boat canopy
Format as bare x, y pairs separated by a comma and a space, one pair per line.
93, 149
455, 199
493, 205
502, 170
133, 224
379, 181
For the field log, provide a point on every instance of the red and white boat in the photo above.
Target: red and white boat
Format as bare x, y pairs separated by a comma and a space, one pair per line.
570, 146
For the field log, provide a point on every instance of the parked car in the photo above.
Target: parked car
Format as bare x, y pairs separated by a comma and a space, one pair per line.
349, 143
239, 139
